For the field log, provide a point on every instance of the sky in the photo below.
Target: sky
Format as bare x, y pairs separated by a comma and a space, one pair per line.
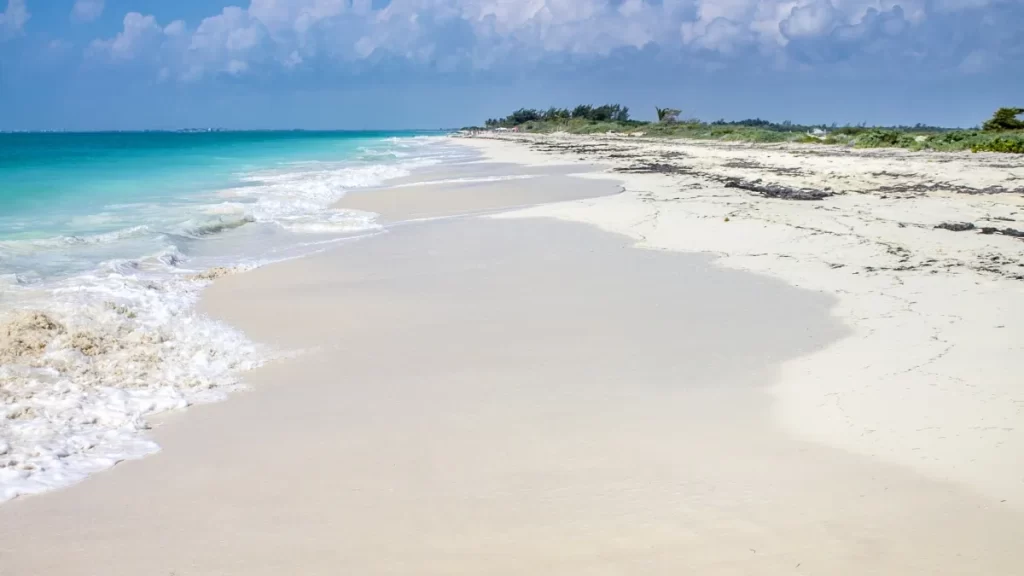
390, 64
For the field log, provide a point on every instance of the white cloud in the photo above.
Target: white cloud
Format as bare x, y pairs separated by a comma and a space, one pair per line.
225, 43
87, 10
233, 31
176, 28
139, 33
724, 36
298, 16
957, 5
13, 19
810, 20
481, 33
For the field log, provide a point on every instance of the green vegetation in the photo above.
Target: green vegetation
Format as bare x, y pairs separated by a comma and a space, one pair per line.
586, 113
1002, 133
1005, 119
1008, 145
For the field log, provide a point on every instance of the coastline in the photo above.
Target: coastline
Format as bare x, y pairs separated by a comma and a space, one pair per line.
98, 329
461, 405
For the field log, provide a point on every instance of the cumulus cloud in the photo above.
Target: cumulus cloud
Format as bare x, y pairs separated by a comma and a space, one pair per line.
87, 10
226, 43
722, 35
448, 34
138, 34
13, 19
823, 36
810, 20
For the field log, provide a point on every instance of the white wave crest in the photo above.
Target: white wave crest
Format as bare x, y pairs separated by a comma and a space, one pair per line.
466, 180
286, 197
99, 330
201, 228
80, 371
58, 242
331, 222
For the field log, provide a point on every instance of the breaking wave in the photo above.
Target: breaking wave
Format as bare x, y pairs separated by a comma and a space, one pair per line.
98, 330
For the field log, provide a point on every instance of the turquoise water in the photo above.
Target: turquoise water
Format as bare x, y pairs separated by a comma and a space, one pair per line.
64, 195
46, 180
101, 240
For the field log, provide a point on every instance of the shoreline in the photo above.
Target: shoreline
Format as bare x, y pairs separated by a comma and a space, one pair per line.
461, 406
98, 331
475, 196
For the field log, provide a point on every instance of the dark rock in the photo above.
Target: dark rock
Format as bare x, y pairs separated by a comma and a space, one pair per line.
654, 168
777, 191
748, 165
921, 189
1004, 231
956, 226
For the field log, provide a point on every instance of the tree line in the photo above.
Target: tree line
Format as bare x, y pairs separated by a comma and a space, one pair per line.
1004, 119
603, 113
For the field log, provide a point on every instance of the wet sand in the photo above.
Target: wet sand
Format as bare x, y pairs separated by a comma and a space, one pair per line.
476, 188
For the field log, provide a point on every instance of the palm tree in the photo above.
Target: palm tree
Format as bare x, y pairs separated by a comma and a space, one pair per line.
667, 115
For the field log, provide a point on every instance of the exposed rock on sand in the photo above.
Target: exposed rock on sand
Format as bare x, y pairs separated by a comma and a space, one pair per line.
89, 344
956, 226
215, 272
27, 334
1004, 231
78, 379
777, 191
650, 167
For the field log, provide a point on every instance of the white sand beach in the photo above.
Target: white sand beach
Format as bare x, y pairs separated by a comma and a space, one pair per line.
929, 377
646, 372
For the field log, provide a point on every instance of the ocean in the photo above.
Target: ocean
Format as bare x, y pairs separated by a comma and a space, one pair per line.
107, 239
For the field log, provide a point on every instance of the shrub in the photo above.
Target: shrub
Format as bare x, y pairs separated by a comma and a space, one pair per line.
885, 139
1007, 145
850, 130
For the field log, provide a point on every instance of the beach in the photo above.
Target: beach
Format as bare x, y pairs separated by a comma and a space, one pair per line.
601, 355
924, 252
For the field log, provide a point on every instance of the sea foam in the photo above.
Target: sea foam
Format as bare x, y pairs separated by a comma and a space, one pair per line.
80, 371
99, 331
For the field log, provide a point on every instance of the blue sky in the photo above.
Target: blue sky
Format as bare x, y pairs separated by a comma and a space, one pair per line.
130, 64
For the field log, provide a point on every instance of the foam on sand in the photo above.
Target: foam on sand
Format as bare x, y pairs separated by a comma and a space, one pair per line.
98, 330
78, 379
